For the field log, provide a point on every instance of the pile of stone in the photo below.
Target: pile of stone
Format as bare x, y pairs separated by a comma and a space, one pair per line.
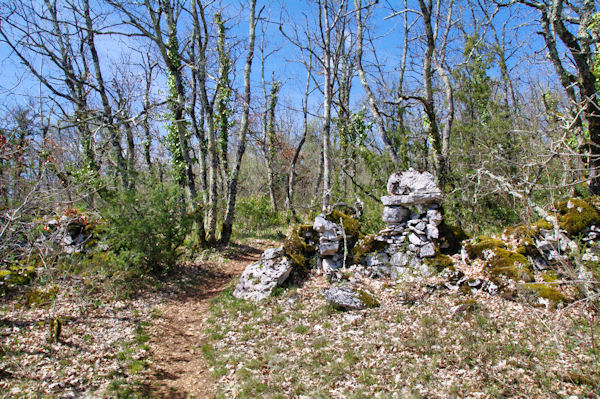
69, 232
330, 244
413, 215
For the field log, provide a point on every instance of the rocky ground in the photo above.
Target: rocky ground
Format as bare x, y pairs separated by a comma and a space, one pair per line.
421, 341
189, 337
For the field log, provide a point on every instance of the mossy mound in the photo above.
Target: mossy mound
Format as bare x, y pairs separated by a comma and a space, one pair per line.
510, 264
368, 299
527, 247
16, 275
440, 262
547, 292
298, 246
520, 232
350, 224
41, 296
479, 244
575, 215
451, 238
366, 245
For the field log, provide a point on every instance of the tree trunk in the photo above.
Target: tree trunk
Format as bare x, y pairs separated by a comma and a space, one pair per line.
292, 177
363, 78
235, 171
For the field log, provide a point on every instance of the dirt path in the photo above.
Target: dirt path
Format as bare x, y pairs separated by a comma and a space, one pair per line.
179, 369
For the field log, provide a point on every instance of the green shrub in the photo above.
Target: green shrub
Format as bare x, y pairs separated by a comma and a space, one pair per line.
254, 216
145, 229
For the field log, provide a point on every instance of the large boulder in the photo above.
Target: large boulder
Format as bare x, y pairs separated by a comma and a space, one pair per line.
260, 278
411, 188
345, 298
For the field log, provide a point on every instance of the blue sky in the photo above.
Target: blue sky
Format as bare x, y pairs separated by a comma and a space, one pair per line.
16, 84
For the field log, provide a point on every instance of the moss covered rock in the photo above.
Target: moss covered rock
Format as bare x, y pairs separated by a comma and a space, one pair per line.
576, 214
299, 246
450, 238
440, 262
366, 245
510, 264
479, 244
368, 299
542, 290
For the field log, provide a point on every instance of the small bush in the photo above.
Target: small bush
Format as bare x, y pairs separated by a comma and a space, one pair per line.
145, 229
254, 216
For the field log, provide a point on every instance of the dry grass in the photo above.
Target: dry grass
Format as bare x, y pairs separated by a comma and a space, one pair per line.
296, 345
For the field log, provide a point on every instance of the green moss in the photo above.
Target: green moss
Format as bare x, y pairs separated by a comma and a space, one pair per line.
297, 247
440, 262
368, 299
41, 296
527, 248
547, 292
510, 264
479, 244
520, 232
367, 244
549, 276
575, 215
543, 224
451, 238
351, 225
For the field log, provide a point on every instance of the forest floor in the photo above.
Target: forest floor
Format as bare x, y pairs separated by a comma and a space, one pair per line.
187, 337
115, 341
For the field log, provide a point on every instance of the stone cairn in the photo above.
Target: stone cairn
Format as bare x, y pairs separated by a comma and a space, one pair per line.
330, 243
413, 215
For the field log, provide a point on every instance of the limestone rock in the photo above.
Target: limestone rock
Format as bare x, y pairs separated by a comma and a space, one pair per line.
395, 214
427, 250
414, 239
348, 299
326, 228
399, 259
376, 259
433, 233
410, 199
435, 217
329, 264
328, 247
272, 253
329, 235
260, 278
412, 182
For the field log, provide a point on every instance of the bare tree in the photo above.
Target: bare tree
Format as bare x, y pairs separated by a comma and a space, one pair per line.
576, 30
379, 122
232, 187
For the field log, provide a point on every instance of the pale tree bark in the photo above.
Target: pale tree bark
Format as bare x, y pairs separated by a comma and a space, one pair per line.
232, 186
379, 122
201, 31
325, 29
